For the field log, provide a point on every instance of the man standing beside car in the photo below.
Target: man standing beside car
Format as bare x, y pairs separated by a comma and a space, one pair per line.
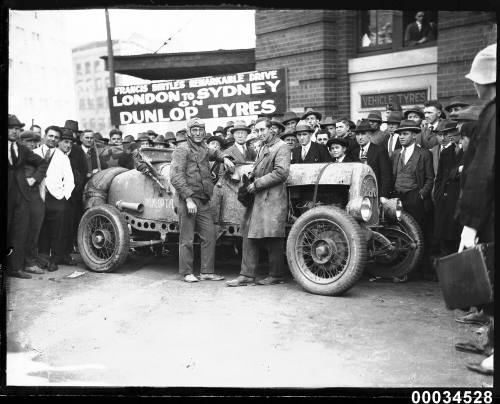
191, 177
264, 222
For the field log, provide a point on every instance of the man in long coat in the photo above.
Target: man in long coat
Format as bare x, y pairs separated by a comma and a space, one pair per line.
264, 222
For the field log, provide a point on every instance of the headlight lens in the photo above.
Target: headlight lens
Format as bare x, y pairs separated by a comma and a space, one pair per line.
399, 209
366, 209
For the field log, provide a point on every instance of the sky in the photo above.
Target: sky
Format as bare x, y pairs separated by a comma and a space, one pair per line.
192, 30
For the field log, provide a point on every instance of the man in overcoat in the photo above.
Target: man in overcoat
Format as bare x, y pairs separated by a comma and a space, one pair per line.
264, 222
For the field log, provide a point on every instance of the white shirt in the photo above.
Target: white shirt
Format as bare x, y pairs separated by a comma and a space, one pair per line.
59, 180
85, 149
395, 137
42, 149
305, 150
340, 159
408, 152
16, 150
241, 148
365, 148
419, 25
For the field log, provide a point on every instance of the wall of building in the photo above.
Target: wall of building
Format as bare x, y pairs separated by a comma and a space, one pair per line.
461, 35
40, 74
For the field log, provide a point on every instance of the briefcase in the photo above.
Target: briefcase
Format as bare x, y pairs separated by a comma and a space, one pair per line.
466, 278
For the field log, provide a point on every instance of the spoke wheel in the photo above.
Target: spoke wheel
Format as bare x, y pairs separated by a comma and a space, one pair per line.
407, 243
326, 251
103, 238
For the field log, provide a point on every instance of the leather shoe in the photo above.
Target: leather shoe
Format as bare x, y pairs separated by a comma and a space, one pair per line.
211, 277
474, 318
19, 274
53, 267
190, 278
241, 280
34, 269
270, 280
485, 367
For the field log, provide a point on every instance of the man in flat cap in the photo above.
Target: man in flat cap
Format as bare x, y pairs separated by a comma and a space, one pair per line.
309, 151
19, 196
476, 207
190, 176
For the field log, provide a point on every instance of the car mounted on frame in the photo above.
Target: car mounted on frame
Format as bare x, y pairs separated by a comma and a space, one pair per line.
335, 227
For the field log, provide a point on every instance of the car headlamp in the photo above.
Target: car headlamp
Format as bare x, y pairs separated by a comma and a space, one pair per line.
366, 209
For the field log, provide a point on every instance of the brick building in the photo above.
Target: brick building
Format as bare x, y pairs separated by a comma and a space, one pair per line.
348, 62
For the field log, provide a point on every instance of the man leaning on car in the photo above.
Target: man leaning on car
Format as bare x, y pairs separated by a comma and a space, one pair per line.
191, 177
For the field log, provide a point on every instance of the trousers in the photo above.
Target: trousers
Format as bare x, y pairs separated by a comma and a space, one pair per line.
54, 227
250, 255
17, 229
36, 214
203, 223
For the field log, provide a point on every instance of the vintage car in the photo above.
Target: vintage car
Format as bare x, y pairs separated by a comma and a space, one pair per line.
336, 226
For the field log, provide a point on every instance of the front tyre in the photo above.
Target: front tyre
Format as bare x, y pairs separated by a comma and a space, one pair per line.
103, 238
326, 251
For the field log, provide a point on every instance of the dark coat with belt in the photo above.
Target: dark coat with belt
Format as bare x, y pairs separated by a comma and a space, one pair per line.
378, 159
446, 194
317, 153
477, 204
424, 172
267, 216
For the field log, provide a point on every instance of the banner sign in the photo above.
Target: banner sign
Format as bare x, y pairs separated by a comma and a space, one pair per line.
401, 98
240, 94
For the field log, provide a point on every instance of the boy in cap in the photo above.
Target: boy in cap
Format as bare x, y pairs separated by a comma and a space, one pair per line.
337, 147
190, 176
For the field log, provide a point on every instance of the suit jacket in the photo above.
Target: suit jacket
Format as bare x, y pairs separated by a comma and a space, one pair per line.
317, 153
385, 144
424, 171
379, 137
16, 177
234, 152
378, 159
412, 34
347, 159
427, 138
79, 167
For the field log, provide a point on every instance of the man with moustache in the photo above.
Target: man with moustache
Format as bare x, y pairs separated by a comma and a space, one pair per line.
239, 151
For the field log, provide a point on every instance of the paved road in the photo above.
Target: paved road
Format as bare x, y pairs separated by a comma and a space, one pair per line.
142, 326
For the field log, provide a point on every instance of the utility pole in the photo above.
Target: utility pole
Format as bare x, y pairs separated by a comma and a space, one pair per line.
111, 64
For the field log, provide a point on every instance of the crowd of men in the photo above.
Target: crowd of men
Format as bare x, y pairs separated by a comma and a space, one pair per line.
438, 160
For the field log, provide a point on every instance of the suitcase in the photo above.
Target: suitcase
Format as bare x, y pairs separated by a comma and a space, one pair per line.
466, 278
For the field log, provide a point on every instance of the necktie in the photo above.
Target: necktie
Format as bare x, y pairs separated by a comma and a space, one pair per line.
403, 157
47, 154
303, 153
362, 154
13, 154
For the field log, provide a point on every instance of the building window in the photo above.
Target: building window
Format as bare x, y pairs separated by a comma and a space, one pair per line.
81, 103
87, 68
98, 84
97, 66
78, 69
90, 103
100, 102
382, 31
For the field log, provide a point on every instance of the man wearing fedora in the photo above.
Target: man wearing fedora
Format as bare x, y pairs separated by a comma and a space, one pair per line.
143, 140
455, 105
433, 112
413, 173
415, 114
19, 197
57, 190
290, 120
375, 156
190, 176
263, 224
476, 207
239, 151
337, 147
442, 143
276, 126
328, 125
392, 142
312, 118
375, 119
73, 127
309, 151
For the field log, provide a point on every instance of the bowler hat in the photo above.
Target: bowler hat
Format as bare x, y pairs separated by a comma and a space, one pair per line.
303, 128
29, 135
337, 140
219, 129
287, 132
67, 134
289, 116
484, 66
312, 112
364, 126
394, 117
169, 136
71, 125
447, 126
218, 139
327, 121
408, 124
415, 110
195, 122
142, 136
374, 116
14, 122
456, 103
470, 113
275, 121
240, 125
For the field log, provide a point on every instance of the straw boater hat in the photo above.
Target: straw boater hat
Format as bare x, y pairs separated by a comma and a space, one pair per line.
312, 112
239, 125
364, 126
337, 140
408, 124
289, 116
